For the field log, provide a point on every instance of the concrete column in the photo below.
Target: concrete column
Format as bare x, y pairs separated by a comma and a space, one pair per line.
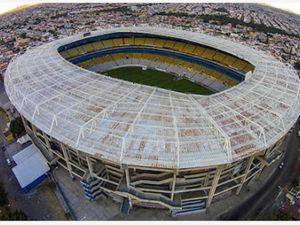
66, 157
173, 185
248, 167
261, 167
48, 145
214, 185
90, 165
78, 157
33, 129
127, 175
206, 178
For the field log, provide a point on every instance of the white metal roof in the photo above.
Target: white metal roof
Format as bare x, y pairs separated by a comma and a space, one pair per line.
25, 138
134, 124
31, 164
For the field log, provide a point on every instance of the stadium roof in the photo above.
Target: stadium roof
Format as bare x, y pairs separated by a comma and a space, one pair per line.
134, 124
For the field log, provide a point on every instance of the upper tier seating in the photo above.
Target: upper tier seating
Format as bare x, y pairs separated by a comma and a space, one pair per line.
203, 52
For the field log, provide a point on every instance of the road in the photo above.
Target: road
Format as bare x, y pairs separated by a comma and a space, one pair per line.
266, 196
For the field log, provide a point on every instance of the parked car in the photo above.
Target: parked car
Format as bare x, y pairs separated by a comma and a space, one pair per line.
8, 162
281, 165
3, 148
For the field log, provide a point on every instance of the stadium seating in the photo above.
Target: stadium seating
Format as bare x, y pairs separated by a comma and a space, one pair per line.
166, 62
128, 41
169, 44
139, 41
98, 45
108, 43
200, 51
118, 42
159, 43
189, 49
171, 64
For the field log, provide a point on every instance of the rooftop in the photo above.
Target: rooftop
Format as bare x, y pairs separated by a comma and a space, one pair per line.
134, 124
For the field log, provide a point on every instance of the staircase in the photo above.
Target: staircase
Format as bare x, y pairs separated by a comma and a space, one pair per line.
92, 187
125, 206
190, 206
154, 198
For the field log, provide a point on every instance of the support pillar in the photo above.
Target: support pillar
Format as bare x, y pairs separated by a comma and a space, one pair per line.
127, 177
261, 167
48, 145
214, 185
173, 185
66, 157
206, 178
33, 129
90, 165
248, 167
78, 157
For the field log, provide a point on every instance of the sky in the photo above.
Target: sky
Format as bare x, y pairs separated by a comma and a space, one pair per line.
290, 5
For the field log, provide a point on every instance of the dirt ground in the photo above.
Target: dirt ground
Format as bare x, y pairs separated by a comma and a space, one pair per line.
40, 203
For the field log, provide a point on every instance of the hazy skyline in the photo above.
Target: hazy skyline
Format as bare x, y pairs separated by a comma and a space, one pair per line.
6, 6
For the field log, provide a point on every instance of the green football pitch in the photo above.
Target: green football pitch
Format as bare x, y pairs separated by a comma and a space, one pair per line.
157, 79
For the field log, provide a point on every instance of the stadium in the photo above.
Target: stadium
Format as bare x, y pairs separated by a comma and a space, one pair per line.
89, 105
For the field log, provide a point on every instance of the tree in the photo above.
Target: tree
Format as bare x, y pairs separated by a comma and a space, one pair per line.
282, 215
297, 65
3, 196
17, 127
8, 214
23, 35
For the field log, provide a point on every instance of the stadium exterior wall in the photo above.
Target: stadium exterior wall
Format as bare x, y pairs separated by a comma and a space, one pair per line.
178, 190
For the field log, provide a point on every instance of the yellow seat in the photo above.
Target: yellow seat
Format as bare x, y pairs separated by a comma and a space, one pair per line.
139, 41
229, 60
84, 64
169, 44
136, 56
79, 50
98, 45
248, 68
65, 54
219, 57
239, 64
118, 56
118, 42
198, 51
208, 54
128, 41
88, 48
179, 46
99, 60
142, 57
107, 43
188, 48
72, 52
159, 42
149, 41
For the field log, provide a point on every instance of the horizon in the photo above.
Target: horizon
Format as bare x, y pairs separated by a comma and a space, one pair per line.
5, 7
